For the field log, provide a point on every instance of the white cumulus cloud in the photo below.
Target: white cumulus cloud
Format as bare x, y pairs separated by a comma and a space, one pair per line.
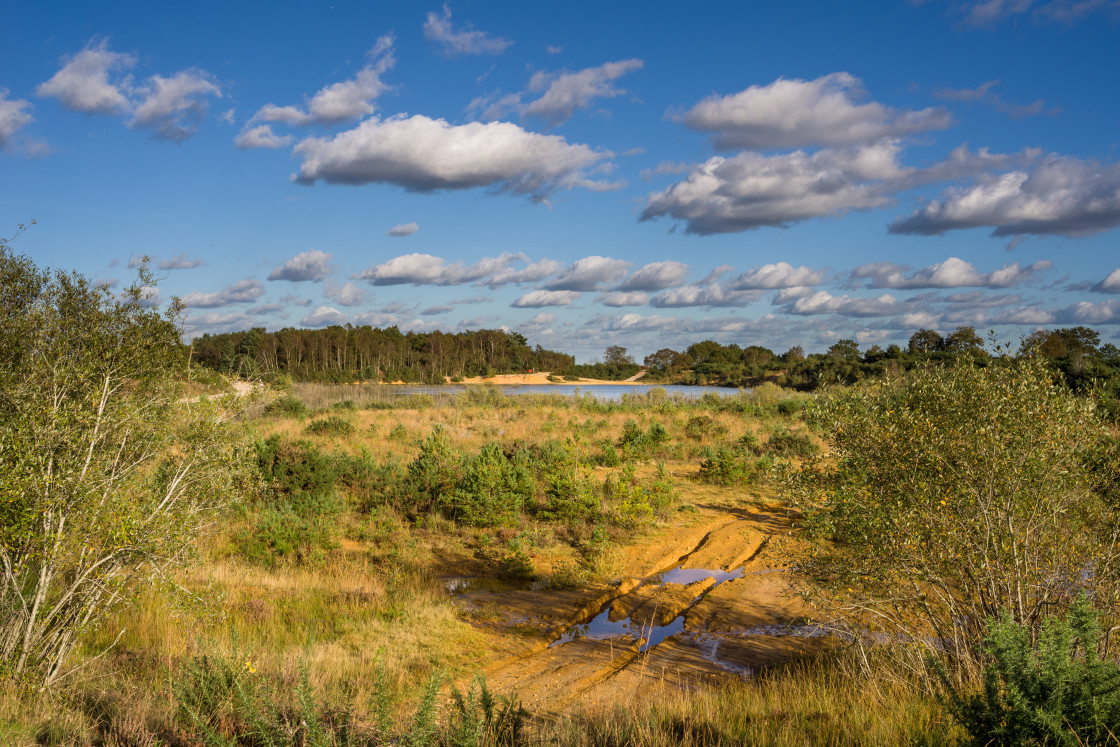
1062, 196
245, 291
623, 298
427, 269
565, 93
777, 275
538, 298
589, 273
261, 136
422, 154
83, 83
13, 117
1111, 283
750, 190
339, 102
171, 107
311, 265
823, 302
656, 276
404, 229
324, 316
952, 273
797, 113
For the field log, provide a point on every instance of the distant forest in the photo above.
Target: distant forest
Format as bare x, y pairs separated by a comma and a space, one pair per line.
350, 353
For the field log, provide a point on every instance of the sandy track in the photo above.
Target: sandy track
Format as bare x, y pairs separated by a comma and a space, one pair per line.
730, 613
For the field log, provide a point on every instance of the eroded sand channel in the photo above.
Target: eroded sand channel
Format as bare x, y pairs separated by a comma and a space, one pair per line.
706, 602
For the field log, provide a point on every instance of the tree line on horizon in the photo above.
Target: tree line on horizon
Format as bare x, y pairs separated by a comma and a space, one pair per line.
349, 353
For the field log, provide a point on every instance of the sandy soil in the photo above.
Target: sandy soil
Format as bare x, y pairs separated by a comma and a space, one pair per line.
541, 377
545, 648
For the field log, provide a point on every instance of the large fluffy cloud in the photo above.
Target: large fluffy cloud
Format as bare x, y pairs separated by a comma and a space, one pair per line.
311, 265
423, 155
1060, 196
796, 113
952, 273
462, 41
590, 273
339, 102
750, 190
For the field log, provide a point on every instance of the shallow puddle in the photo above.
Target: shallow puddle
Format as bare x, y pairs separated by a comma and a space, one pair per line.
601, 627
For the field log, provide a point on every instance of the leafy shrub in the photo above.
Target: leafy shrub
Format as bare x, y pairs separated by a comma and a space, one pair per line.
725, 466
571, 497
636, 444
783, 442
700, 427
332, 425
492, 490
988, 488
1057, 691
398, 433
287, 406
433, 473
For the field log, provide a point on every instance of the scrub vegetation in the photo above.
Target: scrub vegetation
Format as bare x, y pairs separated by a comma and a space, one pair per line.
179, 566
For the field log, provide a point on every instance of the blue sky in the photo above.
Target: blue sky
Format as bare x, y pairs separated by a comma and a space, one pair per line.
588, 174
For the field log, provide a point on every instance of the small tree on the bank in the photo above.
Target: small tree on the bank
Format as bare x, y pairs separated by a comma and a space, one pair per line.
954, 495
105, 477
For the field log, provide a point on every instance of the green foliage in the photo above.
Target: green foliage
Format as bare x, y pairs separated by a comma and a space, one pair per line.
956, 494
725, 466
106, 479
786, 443
434, 472
701, 427
636, 444
287, 407
492, 490
222, 701
297, 514
1057, 691
332, 425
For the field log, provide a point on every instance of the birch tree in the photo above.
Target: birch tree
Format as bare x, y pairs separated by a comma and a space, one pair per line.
106, 477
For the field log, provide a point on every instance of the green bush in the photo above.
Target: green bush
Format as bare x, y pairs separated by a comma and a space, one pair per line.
990, 490
726, 466
786, 443
287, 407
1057, 691
492, 490
332, 425
700, 427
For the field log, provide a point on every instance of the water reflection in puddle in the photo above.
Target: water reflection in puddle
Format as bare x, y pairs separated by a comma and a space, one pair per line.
601, 627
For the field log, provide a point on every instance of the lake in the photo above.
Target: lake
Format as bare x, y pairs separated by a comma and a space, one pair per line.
604, 392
